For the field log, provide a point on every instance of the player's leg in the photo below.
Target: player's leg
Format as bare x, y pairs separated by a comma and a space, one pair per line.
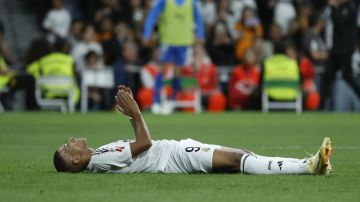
244, 151
176, 82
294, 160
191, 156
347, 73
181, 55
327, 80
238, 161
273, 165
226, 160
159, 82
165, 57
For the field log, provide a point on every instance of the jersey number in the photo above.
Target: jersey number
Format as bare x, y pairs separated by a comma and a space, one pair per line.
192, 149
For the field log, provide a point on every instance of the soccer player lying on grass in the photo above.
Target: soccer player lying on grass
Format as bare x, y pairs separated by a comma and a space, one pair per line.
170, 156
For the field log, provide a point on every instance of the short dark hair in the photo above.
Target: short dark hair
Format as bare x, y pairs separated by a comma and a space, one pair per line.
279, 48
91, 54
59, 163
60, 45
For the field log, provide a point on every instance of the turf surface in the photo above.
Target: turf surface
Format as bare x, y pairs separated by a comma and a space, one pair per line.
28, 141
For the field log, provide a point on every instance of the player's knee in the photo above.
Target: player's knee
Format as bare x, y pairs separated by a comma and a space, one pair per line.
237, 158
234, 160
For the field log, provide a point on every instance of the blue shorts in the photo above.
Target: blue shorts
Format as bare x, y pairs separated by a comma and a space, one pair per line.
177, 55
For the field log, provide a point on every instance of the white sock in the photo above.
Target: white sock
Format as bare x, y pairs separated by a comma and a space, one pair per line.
279, 158
272, 165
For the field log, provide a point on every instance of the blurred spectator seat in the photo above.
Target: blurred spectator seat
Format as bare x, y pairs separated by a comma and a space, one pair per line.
102, 78
56, 67
148, 74
3, 90
189, 86
56, 84
268, 104
281, 84
211, 97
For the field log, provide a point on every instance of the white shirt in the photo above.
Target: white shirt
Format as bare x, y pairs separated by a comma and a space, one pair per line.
116, 157
237, 7
284, 12
81, 49
208, 12
58, 21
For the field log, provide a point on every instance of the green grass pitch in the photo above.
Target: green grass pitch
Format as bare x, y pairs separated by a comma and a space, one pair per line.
28, 141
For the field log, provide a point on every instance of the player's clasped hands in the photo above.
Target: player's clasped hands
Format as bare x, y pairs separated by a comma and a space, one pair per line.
125, 102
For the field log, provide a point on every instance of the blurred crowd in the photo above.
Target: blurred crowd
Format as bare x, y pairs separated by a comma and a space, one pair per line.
239, 36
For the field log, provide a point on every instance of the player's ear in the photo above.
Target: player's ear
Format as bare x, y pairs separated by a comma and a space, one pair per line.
76, 160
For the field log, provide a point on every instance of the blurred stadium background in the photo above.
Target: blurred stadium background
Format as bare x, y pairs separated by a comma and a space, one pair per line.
102, 41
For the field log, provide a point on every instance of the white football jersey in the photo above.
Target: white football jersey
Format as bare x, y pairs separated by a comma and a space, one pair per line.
116, 158
164, 156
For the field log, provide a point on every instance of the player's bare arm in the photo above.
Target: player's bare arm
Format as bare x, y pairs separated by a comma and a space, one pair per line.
126, 104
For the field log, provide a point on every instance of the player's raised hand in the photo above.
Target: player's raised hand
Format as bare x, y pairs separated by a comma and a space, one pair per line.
126, 89
126, 104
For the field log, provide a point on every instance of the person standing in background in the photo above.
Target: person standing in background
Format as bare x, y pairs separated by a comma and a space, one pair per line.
212, 98
248, 29
244, 80
126, 67
177, 19
16, 80
5, 49
86, 45
343, 16
56, 63
314, 46
284, 12
12, 78
57, 21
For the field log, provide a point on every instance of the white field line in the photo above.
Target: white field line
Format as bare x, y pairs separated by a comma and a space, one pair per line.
293, 147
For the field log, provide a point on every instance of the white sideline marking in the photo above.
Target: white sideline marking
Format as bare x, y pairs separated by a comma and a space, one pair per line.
339, 147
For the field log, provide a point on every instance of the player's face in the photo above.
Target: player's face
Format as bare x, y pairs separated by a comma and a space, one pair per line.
74, 146
75, 152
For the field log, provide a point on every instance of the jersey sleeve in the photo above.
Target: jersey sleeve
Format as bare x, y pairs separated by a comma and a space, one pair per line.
152, 18
111, 157
198, 21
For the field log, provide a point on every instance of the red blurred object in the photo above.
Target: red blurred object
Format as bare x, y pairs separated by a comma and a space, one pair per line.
145, 97
217, 102
187, 71
306, 68
312, 97
312, 101
308, 85
207, 78
243, 80
186, 96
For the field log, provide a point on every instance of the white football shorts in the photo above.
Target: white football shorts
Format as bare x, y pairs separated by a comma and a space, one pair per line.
190, 156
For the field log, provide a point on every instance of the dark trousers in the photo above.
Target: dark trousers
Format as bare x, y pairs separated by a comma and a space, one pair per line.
27, 83
337, 62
